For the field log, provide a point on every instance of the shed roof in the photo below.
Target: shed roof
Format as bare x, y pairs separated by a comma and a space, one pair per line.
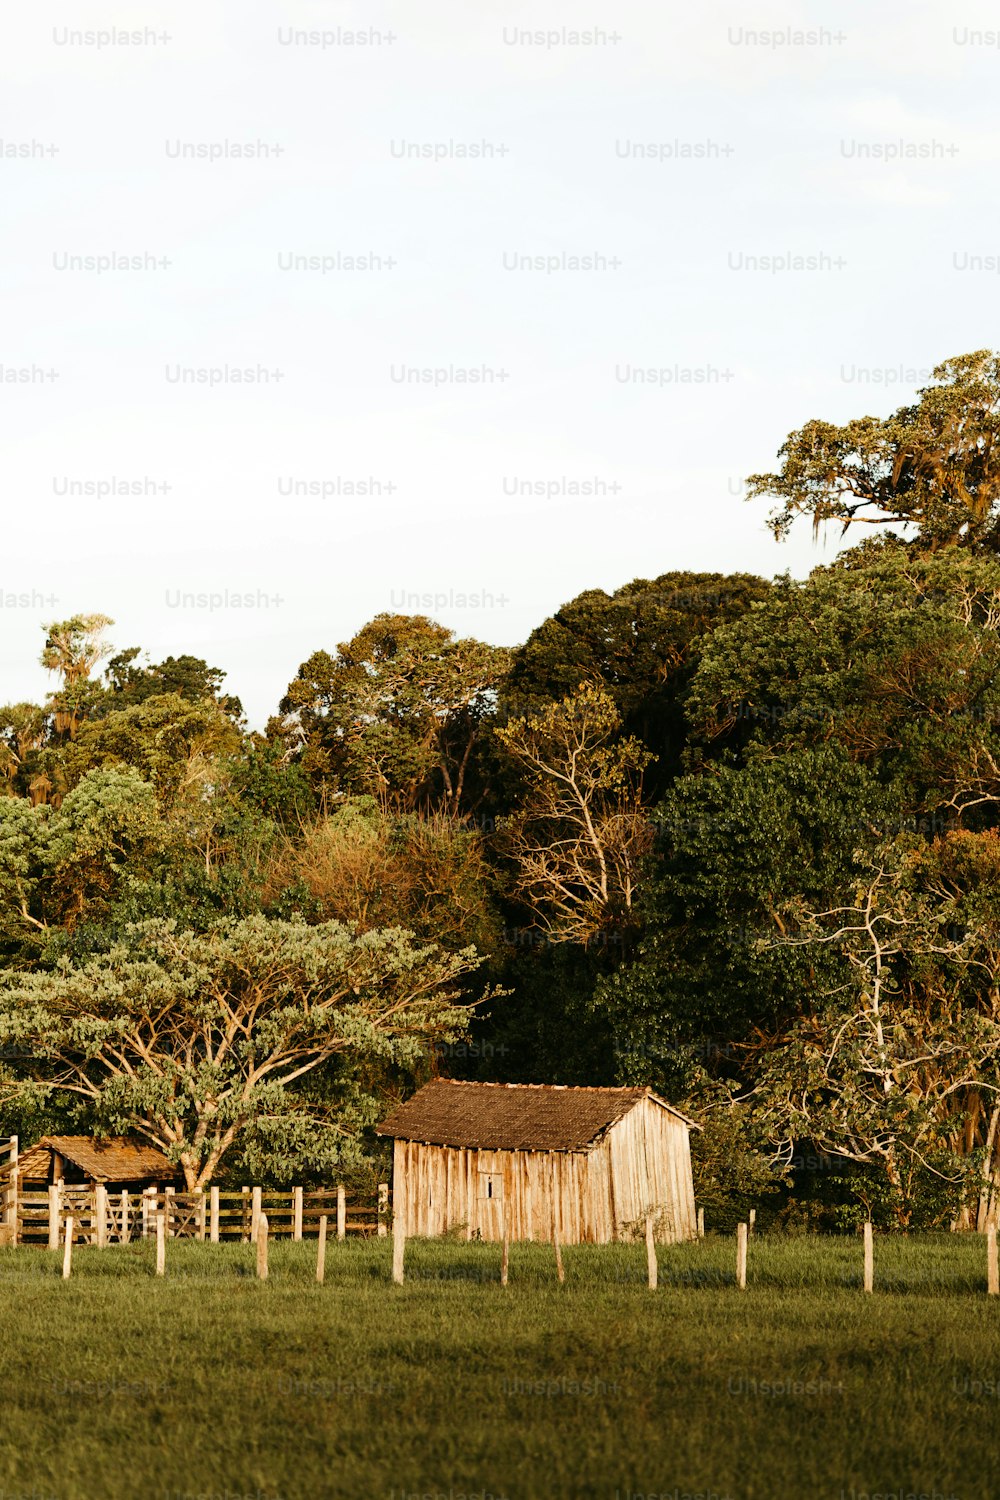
514, 1116
116, 1158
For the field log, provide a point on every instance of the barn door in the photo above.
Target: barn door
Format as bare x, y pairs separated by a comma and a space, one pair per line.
490, 1194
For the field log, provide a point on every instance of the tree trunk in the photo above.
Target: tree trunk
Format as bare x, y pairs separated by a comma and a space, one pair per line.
902, 1212
987, 1191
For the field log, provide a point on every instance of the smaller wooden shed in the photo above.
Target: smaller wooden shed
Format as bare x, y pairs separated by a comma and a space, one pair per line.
470, 1157
84, 1161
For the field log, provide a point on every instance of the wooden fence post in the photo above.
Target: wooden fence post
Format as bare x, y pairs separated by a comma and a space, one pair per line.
505, 1257
68, 1248
100, 1215
13, 1194
321, 1250
296, 1213
741, 1256
555, 1225
341, 1212
992, 1268
214, 1217
651, 1265
168, 1208
869, 1257
752, 1223
701, 1223
383, 1207
262, 1228
255, 1212
202, 1214
161, 1243
55, 1204
507, 1209
246, 1223
8, 1195
126, 1234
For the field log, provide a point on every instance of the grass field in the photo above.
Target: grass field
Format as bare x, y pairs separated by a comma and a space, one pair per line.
210, 1383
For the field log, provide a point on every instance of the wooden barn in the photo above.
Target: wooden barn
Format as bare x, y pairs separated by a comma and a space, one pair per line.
84, 1161
591, 1161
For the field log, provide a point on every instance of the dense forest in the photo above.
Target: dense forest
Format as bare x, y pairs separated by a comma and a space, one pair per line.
733, 838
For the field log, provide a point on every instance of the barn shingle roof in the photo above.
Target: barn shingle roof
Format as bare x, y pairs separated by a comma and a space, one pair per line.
117, 1158
513, 1116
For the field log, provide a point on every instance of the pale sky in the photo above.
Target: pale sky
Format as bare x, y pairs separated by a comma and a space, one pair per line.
870, 144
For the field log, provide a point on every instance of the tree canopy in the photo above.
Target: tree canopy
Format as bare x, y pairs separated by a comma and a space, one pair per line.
932, 468
397, 714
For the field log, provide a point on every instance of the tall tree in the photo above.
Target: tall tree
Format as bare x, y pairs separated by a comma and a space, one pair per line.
196, 1041
577, 840
931, 470
72, 650
74, 647
61, 866
880, 1066
130, 681
398, 714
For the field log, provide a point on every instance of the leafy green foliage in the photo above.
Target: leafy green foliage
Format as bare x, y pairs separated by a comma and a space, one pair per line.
271, 784
732, 847
932, 468
196, 1041
129, 682
732, 1173
641, 643
895, 659
398, 714
173, 743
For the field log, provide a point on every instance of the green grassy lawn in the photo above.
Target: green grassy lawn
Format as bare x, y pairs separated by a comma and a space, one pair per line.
206, 1383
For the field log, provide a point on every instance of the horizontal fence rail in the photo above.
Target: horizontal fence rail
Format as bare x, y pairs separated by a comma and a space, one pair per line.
102, 1216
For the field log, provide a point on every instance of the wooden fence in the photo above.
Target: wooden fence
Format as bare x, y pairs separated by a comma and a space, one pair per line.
104, 1217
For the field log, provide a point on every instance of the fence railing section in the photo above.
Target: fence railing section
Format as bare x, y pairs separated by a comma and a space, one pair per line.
102, 1216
